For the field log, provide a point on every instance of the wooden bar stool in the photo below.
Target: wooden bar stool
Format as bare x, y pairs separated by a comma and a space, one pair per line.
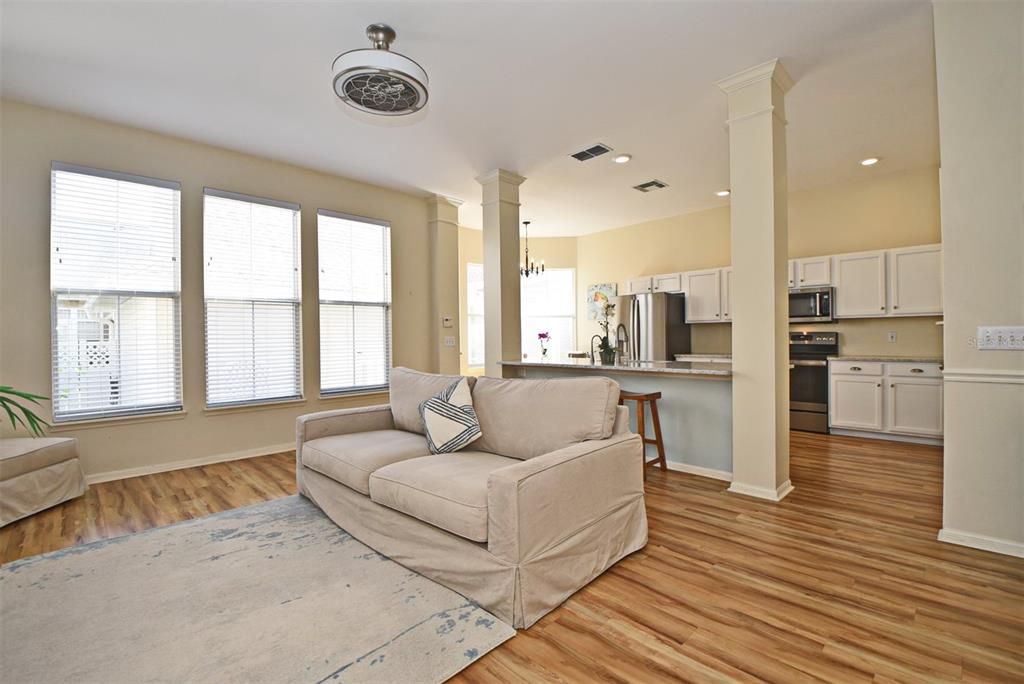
641, 399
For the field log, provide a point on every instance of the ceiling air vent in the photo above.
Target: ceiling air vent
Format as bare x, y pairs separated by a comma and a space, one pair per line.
591, 152
650, 185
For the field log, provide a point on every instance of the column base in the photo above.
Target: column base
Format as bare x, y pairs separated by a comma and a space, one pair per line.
778, 494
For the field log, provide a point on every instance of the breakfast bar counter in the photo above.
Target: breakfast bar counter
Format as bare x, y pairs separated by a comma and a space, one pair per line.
695, 405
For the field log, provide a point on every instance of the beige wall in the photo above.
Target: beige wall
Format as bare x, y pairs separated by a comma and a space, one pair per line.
31, 137
979, 56
882, 211
556, 253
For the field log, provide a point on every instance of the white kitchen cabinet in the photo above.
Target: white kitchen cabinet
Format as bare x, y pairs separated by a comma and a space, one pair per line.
727, 294
855, 402
791, 265
902, 398
914, 406
639, 285
915, 281
860, 284
668, 282
703, 296
811, 272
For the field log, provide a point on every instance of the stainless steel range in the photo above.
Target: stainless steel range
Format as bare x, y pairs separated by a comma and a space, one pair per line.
808, 379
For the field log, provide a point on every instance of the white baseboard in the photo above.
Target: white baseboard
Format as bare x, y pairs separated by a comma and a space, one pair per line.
981, 541
700, 470
778, 494
125, 473
886, 436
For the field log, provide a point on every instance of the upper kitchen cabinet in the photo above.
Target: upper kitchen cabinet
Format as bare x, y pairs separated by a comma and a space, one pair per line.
703, 296
792, 272
727, 294
915, 281
860, 284
668, 282
639, 285
811, 272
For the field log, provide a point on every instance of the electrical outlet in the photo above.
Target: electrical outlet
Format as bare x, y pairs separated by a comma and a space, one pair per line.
446, 322
892, 335
1001, 337
449, 341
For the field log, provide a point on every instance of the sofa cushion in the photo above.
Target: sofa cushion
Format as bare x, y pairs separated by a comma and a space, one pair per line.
351, 459
22, 455
445, 490
449, 419
528, 418
411, 388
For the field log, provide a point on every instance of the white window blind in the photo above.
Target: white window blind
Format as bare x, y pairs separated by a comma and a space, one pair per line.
116, 291
549, 305
355, 302
253, 294
475, 315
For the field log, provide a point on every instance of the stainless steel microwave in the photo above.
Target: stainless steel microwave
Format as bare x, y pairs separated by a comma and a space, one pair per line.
812, 305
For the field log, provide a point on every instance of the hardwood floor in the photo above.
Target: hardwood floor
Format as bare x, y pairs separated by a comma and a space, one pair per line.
842, 581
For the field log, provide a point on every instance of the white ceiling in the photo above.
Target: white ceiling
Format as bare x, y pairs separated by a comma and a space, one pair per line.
513, 85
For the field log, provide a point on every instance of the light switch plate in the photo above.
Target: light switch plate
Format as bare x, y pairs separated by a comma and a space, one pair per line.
449, 341
446, 321
1001, 337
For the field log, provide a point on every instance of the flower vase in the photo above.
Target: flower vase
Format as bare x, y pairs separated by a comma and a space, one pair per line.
608, 357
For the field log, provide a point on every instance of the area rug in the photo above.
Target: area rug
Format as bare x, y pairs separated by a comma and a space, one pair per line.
270, 593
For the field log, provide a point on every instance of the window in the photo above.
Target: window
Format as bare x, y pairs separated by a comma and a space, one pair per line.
252, 291
475, 315
549, 305
116, 291
355, 302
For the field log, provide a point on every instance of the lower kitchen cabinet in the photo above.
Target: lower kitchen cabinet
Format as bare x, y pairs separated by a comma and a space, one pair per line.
914, 406
856, 402
897, 398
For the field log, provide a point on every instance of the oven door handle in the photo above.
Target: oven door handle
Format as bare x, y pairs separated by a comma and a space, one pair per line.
808, 363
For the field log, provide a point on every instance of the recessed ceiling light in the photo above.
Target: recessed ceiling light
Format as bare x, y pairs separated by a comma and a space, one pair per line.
623, 158
870, 161
722, 193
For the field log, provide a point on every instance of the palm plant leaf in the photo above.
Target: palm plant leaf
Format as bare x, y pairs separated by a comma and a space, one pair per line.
18, 412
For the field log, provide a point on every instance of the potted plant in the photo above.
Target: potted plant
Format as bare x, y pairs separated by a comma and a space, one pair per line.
605, 347
544, 338
18, 412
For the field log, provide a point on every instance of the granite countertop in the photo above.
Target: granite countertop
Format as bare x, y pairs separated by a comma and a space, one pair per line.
891, 359
703, 356
659, 367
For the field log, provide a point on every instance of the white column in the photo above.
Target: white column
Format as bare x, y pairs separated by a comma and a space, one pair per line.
502, 341
760, 312
443, 227
979, 66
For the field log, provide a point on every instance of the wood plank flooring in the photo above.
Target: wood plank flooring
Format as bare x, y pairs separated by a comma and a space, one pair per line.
841, 581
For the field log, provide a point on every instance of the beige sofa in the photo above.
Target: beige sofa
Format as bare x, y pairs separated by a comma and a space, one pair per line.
37, 473
545, 501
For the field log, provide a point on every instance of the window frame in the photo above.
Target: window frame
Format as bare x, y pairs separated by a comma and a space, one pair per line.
387, 307
471, 316
174, 296
296, 304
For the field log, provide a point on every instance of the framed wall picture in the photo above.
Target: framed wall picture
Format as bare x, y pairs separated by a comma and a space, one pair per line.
597, 296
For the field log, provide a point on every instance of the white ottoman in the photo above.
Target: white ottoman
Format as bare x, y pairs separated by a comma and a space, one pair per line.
36, 473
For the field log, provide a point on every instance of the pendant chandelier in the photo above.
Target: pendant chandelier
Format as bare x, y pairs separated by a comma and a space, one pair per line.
528, 268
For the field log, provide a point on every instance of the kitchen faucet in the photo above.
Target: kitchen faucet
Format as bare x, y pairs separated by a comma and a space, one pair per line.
621, 341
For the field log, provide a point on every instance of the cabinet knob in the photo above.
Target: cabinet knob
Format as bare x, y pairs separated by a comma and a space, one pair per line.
881, 308
878, 385
896, 306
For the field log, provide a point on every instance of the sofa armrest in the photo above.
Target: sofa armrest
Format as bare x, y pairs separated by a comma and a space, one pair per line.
341, 422
535, 504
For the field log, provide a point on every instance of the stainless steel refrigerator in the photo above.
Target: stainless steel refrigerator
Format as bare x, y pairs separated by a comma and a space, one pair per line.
655, 326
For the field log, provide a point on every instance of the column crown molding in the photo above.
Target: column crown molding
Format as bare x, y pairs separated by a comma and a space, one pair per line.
441, 200
501, 176
771, 69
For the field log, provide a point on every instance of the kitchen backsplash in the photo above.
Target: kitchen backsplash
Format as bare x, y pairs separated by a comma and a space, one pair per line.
915, 336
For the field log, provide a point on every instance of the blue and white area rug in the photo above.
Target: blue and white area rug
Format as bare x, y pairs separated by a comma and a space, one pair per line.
269, 593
